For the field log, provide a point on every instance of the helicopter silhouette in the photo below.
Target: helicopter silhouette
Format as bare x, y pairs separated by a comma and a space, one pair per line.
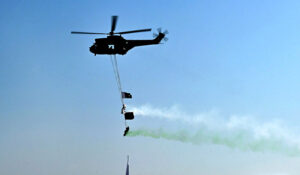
114, 43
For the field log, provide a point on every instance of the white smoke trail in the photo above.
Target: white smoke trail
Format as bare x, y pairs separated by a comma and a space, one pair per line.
242, 132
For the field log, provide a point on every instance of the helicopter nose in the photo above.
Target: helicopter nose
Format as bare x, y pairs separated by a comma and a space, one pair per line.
92, 49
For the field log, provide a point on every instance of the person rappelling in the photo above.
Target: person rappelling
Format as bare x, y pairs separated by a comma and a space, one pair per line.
126, 131
123, 110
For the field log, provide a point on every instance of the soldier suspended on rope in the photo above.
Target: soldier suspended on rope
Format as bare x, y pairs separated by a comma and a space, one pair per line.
126, 131
123, 110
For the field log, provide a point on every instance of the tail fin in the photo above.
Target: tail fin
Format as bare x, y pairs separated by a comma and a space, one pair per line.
159, 37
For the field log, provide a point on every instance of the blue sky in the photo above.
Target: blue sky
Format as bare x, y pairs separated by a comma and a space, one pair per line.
59, 104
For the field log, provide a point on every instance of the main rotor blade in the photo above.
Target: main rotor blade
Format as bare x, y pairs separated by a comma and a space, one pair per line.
113, 23
75, 32
134, 31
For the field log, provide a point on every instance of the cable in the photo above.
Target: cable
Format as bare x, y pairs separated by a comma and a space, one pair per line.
114, 63
114, 69
117, 70
117, 75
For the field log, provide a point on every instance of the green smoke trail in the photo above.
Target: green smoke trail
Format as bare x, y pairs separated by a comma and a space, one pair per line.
240, 140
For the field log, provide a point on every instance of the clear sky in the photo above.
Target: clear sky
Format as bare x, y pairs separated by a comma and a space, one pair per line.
60, 107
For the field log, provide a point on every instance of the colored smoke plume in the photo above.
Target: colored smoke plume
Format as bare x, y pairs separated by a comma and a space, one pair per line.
236, 132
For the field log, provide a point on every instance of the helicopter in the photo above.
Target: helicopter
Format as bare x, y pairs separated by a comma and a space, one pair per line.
114, 43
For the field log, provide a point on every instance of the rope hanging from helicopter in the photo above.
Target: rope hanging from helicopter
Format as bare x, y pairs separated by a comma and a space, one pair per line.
114, 62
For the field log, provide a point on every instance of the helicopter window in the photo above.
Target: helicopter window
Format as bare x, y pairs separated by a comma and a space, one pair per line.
111, 46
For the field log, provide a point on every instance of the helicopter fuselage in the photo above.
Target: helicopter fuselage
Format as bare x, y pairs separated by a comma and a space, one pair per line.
116, 44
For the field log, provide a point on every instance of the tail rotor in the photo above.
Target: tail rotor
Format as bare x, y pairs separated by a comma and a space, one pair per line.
159, 30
